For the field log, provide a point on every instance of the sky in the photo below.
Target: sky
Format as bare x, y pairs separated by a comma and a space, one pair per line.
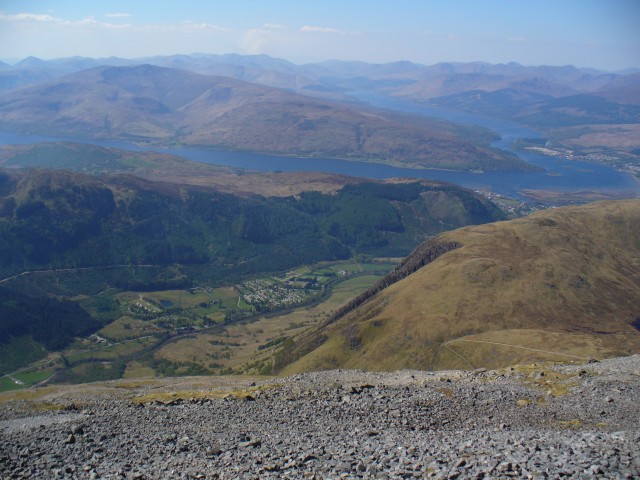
603, 34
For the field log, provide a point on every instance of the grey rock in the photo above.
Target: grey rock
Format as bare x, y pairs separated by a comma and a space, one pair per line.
250, 443
377, 425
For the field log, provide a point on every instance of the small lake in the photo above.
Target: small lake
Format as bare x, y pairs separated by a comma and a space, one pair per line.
559, 174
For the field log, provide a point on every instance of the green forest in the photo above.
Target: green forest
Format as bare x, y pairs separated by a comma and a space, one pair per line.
163, 236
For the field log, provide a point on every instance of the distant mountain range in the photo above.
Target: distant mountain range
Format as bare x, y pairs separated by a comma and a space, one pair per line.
543, 111
560, 284
573, 107
155, 104
334, 78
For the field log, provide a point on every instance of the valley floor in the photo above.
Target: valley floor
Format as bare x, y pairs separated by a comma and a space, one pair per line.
535, 421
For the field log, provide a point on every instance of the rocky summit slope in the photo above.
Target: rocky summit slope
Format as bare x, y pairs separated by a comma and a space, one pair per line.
536, 421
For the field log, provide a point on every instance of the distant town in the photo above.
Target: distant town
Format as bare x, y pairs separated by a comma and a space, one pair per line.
514, 208
612, 159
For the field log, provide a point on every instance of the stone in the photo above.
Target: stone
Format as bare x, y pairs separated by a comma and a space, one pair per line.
77, 429
402, 428
214, 452
250, 443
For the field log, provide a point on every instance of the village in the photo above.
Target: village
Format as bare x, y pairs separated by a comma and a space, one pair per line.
612, 159
286, 290
514, 208
185, 311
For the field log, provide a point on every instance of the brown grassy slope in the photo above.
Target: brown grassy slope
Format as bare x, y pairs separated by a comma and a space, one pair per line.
564, 281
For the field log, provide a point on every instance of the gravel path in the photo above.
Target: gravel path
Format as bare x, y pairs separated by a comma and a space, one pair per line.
579, 421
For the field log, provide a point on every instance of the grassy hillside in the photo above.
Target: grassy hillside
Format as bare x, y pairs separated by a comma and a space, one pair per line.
85, 234
559, 284
59, 219
169, 106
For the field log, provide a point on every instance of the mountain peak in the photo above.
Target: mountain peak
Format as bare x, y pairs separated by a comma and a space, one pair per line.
31, 62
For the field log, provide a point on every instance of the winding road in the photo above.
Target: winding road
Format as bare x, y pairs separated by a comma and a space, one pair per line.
75, 269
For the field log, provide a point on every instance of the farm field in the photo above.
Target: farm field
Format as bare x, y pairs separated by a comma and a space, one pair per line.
199, 330
248, 347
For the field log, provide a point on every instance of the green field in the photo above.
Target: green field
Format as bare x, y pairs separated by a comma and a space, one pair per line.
199, 330
249, 347
20, 381
200, 307
111, 352
127, 328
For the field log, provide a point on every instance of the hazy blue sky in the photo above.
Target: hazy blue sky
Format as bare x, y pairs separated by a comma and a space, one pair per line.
589, 33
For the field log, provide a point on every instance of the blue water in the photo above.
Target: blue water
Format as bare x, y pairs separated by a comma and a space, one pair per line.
559, 174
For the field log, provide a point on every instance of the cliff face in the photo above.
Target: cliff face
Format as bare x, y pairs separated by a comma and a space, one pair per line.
558, 285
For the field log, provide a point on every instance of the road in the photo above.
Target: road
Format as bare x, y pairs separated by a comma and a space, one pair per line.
76, 269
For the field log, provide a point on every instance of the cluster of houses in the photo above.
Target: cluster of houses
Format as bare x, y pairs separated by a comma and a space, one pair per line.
268, 295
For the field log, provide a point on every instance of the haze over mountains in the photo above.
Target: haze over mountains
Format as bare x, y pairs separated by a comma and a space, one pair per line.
573, 107
336, 77
155, 104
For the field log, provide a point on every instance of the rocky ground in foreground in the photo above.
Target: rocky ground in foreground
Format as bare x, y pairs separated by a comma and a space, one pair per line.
540, 421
